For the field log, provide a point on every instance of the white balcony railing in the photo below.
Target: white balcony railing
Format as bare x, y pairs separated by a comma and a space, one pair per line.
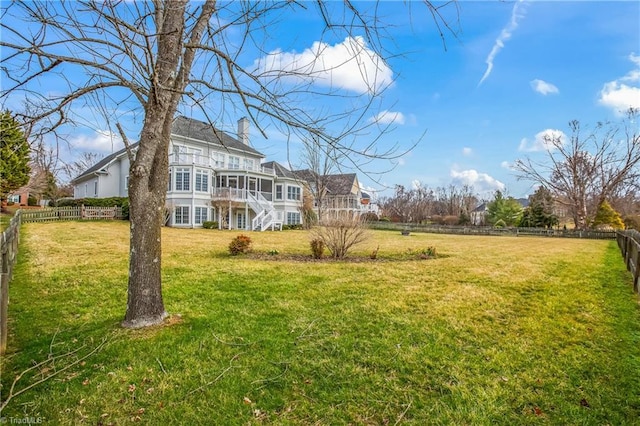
205, 161
239, 194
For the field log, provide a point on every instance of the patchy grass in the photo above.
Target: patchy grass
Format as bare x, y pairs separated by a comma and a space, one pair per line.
495, 330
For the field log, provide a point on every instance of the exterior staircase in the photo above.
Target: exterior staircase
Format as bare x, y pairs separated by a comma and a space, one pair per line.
266, 215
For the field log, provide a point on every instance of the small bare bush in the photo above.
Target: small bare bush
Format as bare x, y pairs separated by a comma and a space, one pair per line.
340, 235
317, 248
240, 245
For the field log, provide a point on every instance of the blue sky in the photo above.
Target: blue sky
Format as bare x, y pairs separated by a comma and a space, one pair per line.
513, 71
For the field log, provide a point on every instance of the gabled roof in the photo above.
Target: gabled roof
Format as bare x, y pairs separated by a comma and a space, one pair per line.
340, 184
281, 171
102, 164
189, 128
199, 130
306, 175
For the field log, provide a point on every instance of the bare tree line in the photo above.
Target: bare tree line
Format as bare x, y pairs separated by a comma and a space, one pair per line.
447, 204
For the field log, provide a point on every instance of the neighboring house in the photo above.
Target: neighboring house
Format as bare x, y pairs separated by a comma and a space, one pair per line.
19, 197
341, 193
478, 215
212, 177
369, 205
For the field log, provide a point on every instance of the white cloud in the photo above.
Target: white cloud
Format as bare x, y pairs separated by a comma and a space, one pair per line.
349, 65
506, 165
481, 182
543, 141
388, 117
100, 141
543, 87
517, 13
401, 161
623, 93
466, 151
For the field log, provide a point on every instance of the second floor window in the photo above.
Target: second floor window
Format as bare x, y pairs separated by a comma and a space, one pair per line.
183, 179
248, 164
293, 193
218, 160
278, 192
234, 162
202, 180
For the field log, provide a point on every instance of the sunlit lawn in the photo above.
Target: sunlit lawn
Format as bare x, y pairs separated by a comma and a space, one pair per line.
497, 330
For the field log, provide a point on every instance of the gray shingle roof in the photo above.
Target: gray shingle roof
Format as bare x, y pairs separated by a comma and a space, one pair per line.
281, 171
187, 127
335, 184
103, 163
340, 184
195, 129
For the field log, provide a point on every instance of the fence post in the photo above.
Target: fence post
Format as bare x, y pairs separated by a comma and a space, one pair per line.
4, 307
636, 274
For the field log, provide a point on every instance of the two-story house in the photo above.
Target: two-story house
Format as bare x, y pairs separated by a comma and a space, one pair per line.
212, 177
335, 195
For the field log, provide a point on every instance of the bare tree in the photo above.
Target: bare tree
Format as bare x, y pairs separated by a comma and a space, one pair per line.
586, 170
341, 234
319, 160
145, 59
81, 164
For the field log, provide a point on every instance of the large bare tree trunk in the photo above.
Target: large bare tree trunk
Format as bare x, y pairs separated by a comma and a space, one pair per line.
147, 194
148, 174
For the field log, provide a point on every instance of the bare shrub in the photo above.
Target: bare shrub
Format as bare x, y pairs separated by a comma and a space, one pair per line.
240, 245
317, 248
340, 235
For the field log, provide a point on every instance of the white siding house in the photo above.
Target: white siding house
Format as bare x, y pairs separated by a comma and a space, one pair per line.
213, 177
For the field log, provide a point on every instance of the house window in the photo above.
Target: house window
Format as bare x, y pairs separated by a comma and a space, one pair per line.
202, 180
200, 215
14, 198
126, 184
181, 215
293, 193
293, 218
278, 192
218, 160
183, 154
234, 162
95, 188
183, 178
248, 164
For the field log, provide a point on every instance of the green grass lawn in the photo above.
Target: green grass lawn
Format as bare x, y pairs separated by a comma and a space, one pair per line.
497, 330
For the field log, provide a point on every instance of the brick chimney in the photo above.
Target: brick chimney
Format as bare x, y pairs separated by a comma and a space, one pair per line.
243, 130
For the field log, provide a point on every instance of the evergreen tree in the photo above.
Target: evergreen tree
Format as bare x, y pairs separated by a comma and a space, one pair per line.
14, 156
504, 211
539, 214
606, 215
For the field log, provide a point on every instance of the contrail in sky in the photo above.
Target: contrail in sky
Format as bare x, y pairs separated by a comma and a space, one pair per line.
516, 14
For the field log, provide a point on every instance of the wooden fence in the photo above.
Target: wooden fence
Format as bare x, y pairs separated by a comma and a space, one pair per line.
629, 243
9, 249
489, 230
71, 213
